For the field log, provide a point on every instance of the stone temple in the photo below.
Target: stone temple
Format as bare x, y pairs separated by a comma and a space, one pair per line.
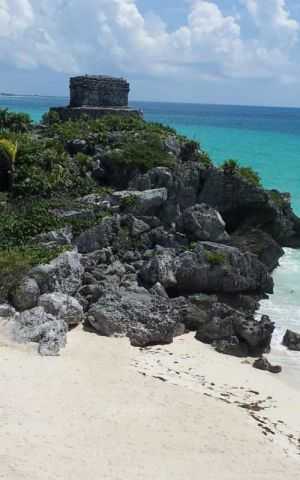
95, 96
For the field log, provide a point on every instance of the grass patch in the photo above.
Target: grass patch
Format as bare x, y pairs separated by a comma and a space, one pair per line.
215, 258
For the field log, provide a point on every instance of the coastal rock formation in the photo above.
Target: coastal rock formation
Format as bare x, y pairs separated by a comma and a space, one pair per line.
36, 325
291, 340
146, 319
232, 332
209, 268
141, 236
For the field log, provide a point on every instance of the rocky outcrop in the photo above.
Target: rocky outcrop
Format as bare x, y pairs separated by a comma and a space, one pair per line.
25, 295
63, 274
133, 312
201, 222
291, 340
259, 243
210, 267
62, 306
36, 325
234, 333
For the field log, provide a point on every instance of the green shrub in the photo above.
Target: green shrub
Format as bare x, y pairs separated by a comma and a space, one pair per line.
215, 258
144, 152
276, 197
249, 174
230, 166
14, 122
205, 159
18, 224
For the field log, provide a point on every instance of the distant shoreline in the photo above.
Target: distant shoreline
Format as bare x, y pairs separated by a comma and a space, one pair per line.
4, 94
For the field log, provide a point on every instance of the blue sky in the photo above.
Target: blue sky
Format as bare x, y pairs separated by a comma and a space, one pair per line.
208, 51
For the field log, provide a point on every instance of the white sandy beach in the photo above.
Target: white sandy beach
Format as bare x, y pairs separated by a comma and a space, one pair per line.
104, 410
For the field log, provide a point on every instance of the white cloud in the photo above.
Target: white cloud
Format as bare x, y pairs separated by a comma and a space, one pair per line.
274, 22
103, 35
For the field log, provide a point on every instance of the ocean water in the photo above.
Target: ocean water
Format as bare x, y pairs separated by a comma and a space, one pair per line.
267, 139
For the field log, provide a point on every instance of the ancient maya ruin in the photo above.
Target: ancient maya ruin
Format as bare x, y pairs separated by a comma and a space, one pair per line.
95, 96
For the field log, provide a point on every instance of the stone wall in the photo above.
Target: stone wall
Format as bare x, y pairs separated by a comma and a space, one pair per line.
98, 91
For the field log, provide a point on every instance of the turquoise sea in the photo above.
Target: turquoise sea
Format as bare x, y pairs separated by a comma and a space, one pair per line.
267, 139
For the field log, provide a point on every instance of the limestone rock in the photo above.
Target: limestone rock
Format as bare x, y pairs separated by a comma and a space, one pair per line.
63, 274
35, 325
291, 340
63, 307
202, 222
235, 333
133, 312
25, 295
213, 268
100, 236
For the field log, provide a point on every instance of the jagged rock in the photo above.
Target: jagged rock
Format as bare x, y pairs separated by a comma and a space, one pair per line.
213, 268
173, 145
159, 290
231, 346
63, 274
100, 236
244, 204
160, 269
210, 267
63, 236
25, 295
291, 340
36, 325
261, 244
192, 316
257, 334
264, 364
140, 202
202, 222
7, 311
217, 327
63, 307
133, 312
158, 177
136, 226
234, 333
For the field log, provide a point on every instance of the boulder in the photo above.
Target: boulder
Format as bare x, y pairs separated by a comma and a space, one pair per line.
35, 325
244, 204
291, 340
191, 315
256, 334
212, 267
7, 311
231, 346
235, 333
160, 269
260, 243
264, 364
101, 236
202, 222
63, 307
209, 268
25, 295
63, 236
140, 202
133, 312
63, 274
